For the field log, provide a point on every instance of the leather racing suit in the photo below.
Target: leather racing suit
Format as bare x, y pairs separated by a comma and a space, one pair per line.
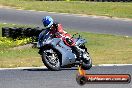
57, 30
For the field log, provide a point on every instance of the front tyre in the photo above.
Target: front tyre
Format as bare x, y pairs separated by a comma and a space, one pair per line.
51, 59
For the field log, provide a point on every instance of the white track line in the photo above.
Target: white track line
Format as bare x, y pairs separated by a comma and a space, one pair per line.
4, 23
19, 68
114, 65
42, 67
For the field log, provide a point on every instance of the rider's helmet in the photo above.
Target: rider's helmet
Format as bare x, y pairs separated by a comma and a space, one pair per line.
47, 21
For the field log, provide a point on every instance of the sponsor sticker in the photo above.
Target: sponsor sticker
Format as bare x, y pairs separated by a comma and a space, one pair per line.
83, 78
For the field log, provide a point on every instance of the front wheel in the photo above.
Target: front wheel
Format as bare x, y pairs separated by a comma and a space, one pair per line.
51, 59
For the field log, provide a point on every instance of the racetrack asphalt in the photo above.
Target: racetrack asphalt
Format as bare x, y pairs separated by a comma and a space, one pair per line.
66, 78
70, 21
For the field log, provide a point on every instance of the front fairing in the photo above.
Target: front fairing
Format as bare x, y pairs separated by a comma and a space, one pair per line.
43, 37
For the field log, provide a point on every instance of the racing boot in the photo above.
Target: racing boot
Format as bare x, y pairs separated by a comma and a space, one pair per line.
75, 48
78, 52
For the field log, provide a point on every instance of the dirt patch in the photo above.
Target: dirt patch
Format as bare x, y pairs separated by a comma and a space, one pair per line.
23, 47
1, 6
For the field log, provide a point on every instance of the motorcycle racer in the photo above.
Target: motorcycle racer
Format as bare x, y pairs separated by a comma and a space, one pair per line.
57, 31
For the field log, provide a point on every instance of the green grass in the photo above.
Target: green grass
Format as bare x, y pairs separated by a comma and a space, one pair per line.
19, 57
103, 48
111, 9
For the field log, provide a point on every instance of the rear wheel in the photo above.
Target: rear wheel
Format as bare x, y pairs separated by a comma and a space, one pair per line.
51, 59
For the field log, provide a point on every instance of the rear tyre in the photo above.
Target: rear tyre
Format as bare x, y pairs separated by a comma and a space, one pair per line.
51, 60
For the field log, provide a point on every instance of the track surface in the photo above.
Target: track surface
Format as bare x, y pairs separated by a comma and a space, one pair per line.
43, 78
76, 22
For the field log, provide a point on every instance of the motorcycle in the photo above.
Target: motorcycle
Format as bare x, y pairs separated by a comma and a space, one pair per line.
56, 54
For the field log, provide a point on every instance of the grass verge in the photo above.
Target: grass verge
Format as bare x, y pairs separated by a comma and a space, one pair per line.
103, 48
111, 9
17, 57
